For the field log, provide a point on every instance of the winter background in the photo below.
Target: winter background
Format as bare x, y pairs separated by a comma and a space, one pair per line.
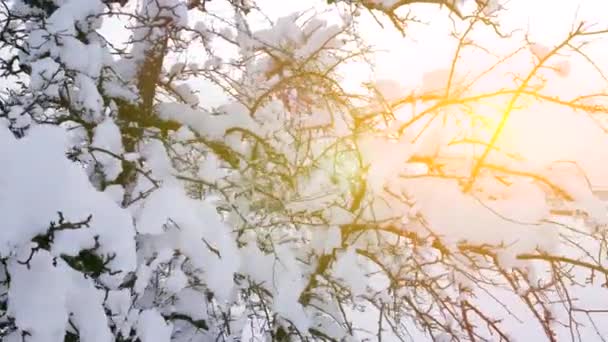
45, 293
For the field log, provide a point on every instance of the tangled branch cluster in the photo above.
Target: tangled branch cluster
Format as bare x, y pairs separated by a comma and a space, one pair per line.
290, 210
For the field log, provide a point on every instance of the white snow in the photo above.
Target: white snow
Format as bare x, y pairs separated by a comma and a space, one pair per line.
151, 327
107, 138
39, 310
255, 234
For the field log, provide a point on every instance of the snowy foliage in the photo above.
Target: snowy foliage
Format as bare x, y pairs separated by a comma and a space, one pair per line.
134, 211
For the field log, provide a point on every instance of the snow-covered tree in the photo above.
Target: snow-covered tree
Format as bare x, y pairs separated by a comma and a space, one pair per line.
298, 209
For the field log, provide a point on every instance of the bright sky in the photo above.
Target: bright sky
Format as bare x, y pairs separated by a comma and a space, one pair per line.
543, 132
